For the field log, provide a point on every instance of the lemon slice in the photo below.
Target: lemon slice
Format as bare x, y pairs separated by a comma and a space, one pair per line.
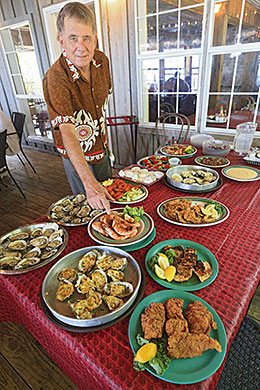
170, 273
210, 207
159, 272
146, 353
205, 211
163, 261
214, 213
108, 182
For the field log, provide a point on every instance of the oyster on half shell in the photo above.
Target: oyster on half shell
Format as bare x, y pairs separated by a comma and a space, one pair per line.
119, 289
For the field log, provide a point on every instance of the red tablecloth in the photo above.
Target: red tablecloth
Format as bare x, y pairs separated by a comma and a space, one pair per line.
103, 359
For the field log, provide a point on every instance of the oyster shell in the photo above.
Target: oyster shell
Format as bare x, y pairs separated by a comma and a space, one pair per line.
112, 302
95, 212
75, 210
76, 220
120, 263
9, 262
65, 202
57, 208
48, 254
115, 275
49, 229
24, 263
86, 219
80, 309
40, 242
79, 198
10, 253
19, 236
99, 278
87, 262
55, 243
104, 262
19, 245
119, 289
66, 219
34, 252
58, 233
84, 211
93, 301
69, 274
84, 284
65, 290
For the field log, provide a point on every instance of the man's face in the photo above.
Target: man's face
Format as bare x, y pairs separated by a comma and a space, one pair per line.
79, 42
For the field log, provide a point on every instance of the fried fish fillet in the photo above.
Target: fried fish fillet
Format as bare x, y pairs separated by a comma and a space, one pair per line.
174, 308
200, 320
183, 345
203, 270
183, 273
153, 320
176, 325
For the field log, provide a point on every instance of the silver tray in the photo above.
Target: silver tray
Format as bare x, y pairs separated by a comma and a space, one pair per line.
181, 168
62, 311
30, 228
68, 223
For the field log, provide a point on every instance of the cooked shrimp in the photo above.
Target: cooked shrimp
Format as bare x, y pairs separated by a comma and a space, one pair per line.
111, 233
100, 227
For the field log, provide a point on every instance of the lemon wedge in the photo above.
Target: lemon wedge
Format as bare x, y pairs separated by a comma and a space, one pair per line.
159, 272
146, 353
108, 182
163, 261
214, 213
170, 273
210, 207
206, 211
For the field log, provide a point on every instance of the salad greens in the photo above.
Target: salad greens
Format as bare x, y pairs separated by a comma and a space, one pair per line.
133, 194
170, 253
217, 206
160, 362
134, 212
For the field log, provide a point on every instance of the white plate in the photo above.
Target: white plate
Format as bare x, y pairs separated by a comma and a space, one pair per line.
225, 173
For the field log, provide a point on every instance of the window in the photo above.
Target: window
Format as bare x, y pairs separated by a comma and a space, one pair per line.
25, 76
197, 58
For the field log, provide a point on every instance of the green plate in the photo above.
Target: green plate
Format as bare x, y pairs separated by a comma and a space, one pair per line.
226, 162
182, 156
144, 231
193, 283
226, 170
224, 214
182, 371
139, 245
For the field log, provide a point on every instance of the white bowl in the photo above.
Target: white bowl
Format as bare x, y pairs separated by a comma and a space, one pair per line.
198, 139
174, 161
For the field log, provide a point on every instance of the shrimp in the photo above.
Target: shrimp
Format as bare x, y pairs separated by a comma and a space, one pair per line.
107, 219
111, 233
100, 227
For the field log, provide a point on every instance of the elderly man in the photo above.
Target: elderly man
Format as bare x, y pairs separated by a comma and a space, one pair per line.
76, 89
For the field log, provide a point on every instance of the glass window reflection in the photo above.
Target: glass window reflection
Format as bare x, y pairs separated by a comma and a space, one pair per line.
147, 34
222, 71
191, 28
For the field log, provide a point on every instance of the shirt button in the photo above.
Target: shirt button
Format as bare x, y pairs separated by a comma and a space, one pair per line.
92, 89
96, 106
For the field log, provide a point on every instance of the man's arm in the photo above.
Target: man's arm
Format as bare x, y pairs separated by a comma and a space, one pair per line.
96, 194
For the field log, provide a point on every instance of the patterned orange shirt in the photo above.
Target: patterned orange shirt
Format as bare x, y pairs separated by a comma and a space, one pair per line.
72, 99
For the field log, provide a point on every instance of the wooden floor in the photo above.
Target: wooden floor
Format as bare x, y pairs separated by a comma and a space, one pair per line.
24, 364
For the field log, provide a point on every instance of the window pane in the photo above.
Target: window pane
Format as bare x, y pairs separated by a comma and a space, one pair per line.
13, 63
150, 75
18, 85
167, 5
226, 22
222, 73
191, 28
247, 75
7, 42
215, 102
147, 34
145, 7
251, 20
168, 33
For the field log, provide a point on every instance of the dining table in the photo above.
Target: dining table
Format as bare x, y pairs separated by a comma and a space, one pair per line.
102, 358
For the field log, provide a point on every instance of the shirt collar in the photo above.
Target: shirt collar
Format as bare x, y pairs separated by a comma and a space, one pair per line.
75, 73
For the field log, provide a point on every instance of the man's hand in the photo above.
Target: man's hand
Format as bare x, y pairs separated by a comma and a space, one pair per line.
98, 196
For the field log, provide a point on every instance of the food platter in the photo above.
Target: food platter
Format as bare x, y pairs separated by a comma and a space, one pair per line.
146, 228
225, 161
61, 310
153, 162
137, 199
253, 157
68, 206
218, 185
163, 149
223, 213
252, 173
46, 252
193, 284
145, 176
182, 371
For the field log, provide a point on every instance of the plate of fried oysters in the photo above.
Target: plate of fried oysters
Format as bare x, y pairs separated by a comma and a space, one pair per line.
191, 211
189, 335
194, 266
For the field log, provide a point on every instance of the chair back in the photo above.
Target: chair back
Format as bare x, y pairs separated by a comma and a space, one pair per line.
18, 119
180, 135
3, 149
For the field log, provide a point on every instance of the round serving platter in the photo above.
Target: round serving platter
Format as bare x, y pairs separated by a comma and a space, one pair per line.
162, 150
193, 284
142, 187
62, 311
223, 215
146, 228
29, 229
218, 185
155, 167
182, 371
92, 213
225, 172
226, 162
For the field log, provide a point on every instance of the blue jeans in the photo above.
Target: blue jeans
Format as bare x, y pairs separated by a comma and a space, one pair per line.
101, 172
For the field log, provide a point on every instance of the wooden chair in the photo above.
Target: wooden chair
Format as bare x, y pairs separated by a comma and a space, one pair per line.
18, 119
3, 162
172, 133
